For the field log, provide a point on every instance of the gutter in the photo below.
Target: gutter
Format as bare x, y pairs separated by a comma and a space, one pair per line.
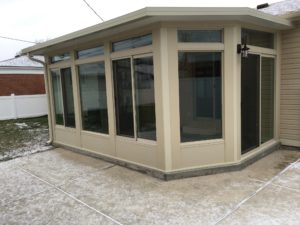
50, 141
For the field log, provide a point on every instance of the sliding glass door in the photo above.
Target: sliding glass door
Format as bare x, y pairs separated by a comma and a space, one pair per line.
250, 102
134, 97
257, 101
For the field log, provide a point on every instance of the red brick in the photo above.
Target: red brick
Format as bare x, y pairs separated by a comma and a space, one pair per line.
20, 84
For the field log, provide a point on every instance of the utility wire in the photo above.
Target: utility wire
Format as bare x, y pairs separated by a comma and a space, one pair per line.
15, 39
93, 10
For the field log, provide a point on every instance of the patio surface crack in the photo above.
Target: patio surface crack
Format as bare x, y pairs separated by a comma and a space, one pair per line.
73, 197
255, 193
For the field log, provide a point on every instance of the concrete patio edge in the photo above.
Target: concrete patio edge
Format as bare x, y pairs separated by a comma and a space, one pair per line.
178, 174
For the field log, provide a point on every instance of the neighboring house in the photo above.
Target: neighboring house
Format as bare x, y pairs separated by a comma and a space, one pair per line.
174, 91
22, 88
21, 76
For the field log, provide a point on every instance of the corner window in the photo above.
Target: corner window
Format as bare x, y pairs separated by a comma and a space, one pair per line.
258, 38
63, 97
200, 95
93, 97
134, 42
200, 36
134, 97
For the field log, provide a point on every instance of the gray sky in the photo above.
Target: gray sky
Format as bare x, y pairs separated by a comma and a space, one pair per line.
36, 20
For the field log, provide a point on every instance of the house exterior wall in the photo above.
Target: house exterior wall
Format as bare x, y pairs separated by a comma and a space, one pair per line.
290, 87
21, 84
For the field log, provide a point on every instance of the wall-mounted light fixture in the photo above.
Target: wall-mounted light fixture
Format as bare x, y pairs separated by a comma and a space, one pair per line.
243, 50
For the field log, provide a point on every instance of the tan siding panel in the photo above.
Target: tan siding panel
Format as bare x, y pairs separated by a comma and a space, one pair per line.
289, 127
290, 74
295, 107
290, 66
290, 117
290, 137
290, 87
289, 112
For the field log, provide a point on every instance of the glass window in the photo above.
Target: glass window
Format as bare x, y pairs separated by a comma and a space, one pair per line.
57, 95
144, 98
200, 95
58, 58
267, 99
258, 38
123, 97
67, 91
90, 52
93, 97
199, 35
134, 42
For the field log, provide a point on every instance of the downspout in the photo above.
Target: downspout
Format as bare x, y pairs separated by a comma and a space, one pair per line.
49, 142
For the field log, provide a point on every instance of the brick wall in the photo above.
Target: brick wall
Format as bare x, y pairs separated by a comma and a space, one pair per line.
19, 84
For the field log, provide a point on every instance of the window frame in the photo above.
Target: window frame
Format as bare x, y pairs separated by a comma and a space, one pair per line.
261, 55
203, 47
133, 91
194, 100
221, 29
79, 63
59, 68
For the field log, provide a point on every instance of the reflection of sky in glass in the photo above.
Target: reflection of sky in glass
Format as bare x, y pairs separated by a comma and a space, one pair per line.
132, 43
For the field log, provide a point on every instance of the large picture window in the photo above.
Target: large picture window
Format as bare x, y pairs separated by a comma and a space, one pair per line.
93, 97
63, 97
134, 97
200, 95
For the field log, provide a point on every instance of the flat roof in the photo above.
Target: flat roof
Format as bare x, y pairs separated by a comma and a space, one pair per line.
156, 14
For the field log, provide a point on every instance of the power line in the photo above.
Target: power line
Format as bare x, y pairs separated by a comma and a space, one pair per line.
93, 10
15, 39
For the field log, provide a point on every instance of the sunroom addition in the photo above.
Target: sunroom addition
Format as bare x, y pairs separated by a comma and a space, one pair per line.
171, 91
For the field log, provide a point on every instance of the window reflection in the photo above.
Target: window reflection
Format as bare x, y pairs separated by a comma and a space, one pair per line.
200, 95
123, 97
144, 95
93, 97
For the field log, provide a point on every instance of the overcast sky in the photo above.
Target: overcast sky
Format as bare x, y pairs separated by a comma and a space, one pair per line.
37, 20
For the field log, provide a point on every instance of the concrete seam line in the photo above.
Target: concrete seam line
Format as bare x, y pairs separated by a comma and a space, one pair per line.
73, 197
284, 187
255, 193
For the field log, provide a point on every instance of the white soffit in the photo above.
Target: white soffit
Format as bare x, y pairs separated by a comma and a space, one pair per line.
156, 14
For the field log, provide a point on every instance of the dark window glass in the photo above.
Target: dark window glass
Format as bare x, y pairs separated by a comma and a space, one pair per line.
144, 98
258, 38
267, 99
57, 95
200, 96
134, 42
90, 52
199, 35
123, 97
93, 97
67, 90
58, 58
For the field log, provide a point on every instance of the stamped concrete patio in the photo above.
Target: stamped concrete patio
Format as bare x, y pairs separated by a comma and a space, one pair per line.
62, 187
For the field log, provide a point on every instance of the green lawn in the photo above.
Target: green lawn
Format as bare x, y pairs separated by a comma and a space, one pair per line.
22, 136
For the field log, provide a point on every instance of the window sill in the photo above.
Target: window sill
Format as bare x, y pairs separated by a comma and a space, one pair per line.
202, 143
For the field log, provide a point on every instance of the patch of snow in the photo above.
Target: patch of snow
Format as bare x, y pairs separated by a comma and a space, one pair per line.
283, 7
21, 125
38, 144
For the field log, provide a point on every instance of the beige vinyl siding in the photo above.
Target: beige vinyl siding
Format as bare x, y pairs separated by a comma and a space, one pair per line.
290, 87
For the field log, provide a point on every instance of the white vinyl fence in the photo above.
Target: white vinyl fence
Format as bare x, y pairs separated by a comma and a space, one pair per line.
22, 106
